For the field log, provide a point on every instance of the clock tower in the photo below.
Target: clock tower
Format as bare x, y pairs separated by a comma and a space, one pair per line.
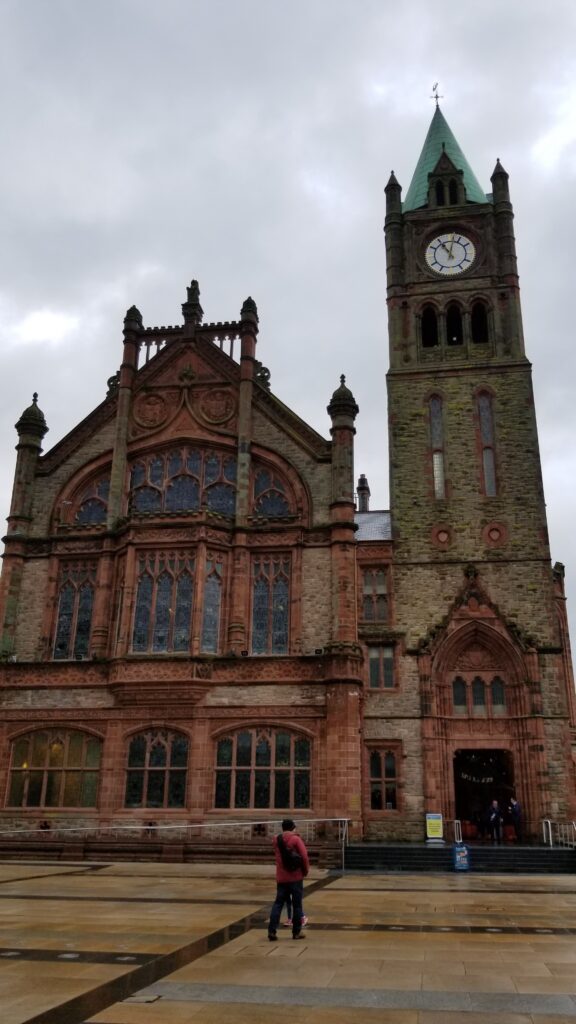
484, 648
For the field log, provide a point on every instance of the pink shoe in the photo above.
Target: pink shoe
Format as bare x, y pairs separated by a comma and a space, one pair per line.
304, 920
288, 923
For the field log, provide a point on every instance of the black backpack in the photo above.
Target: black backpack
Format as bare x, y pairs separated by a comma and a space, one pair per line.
291, 859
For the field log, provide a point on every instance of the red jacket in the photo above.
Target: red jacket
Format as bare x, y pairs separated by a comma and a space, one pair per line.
294, 842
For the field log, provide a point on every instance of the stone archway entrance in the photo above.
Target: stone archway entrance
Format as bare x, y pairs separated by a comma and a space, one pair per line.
481, 776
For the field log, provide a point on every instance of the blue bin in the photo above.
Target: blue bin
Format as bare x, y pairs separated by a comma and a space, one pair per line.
461, 857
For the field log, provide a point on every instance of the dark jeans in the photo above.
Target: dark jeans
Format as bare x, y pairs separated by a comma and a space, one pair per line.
285, 891
496, 830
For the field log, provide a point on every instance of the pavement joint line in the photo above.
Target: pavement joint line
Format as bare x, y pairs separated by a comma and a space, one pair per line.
80, 1008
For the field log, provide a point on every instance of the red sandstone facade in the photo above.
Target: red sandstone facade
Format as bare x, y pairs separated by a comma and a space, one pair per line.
200, 622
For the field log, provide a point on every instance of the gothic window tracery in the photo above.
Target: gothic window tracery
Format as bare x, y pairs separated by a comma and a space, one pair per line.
93, 503
486, 431
164, 599
74, 616
157, 768
54, 768
263, 768
270, 497
479, 696
183, 480
270, 604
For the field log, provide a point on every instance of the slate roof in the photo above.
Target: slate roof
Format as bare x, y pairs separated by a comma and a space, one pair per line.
440, 132
373, 525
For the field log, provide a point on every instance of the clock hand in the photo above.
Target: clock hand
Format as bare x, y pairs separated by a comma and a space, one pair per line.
451, 244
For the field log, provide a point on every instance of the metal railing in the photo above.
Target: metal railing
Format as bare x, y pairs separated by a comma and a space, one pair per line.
559, 833
328, 830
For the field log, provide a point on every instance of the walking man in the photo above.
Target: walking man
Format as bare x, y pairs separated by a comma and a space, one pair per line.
516, 815
495, 822
292, 866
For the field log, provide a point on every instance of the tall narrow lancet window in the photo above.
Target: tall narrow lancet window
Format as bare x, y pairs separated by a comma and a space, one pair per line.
454, 331
478, 697
211, 609
440, 195
429, 327
486, 422
453, 192
437, 446
74, 618
479, 323
270, 604
459, 696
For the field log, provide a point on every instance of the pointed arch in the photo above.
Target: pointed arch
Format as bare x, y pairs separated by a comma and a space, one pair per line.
499, 649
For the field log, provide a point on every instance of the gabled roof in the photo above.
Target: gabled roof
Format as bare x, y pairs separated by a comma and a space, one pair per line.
438, 140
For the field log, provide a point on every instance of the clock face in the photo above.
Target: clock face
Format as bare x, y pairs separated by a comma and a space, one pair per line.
450, 253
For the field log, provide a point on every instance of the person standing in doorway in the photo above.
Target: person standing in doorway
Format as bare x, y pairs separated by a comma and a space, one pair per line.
495, 822
515, 812
292, 866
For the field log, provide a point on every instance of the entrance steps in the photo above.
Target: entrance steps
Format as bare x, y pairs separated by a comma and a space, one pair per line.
416, 857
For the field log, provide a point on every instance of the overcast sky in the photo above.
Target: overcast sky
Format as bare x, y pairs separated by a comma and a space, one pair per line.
247, 143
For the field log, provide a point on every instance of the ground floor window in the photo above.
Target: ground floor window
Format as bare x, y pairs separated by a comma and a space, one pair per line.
383, 780
54, 768
157, 769
263, 768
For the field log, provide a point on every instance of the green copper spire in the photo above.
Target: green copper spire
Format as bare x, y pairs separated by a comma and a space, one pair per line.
440, 138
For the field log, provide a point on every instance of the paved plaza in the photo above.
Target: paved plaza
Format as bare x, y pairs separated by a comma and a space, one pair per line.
170, 943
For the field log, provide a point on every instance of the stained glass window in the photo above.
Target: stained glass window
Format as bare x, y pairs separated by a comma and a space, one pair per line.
383, 781
92, 507
263, 768
498, 695
184, 480
486, 420
55, 768
211, 607
156, 770
164, 597
270, 497
270, 604
74, 617
437, 446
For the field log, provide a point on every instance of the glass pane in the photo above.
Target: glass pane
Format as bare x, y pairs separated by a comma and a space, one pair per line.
381, 607
390, 797
486, 427
390, 765
221, 498
280, 617
91, 512
155, 789
183, 614
301, 789
72, 790
134, 789
376, 801
375, 764
281, 789
244, 748
438, 470
174, 463
388, 666
93, 751
242, 794
260, 617
20, 755
211, 616
489, 472
222, 796
272, 504
39, 749
137, 476
137, 755
262, 482
436, 426
52, 794
282, 749
16, 789
142, 616
89, 795
147, 499
182, 495
34, 797
161, 632
230, 470
478, 693
84, 620
498, 697
224, 755
459, 693
157, 754
263, 756
194, 463
157, 471
176, 789
75, 750
374, 666
179, 752
262, 789
64, 625
302, 752
211, 469
56, 754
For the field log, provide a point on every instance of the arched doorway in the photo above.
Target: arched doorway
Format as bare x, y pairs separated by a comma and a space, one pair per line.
481, 776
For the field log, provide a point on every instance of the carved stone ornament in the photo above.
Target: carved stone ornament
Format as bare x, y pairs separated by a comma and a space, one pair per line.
476, 659
150, 410
217, 405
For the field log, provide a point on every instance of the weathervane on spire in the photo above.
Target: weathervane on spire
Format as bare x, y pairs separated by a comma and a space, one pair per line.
435, 95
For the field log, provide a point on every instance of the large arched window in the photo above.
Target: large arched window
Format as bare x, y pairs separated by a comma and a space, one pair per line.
74, 616
263, 768
270, 604
184, 480
454, 329
486, 424
429, 327
270, 498
157, 769
437, 446
54, 768
92, 507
